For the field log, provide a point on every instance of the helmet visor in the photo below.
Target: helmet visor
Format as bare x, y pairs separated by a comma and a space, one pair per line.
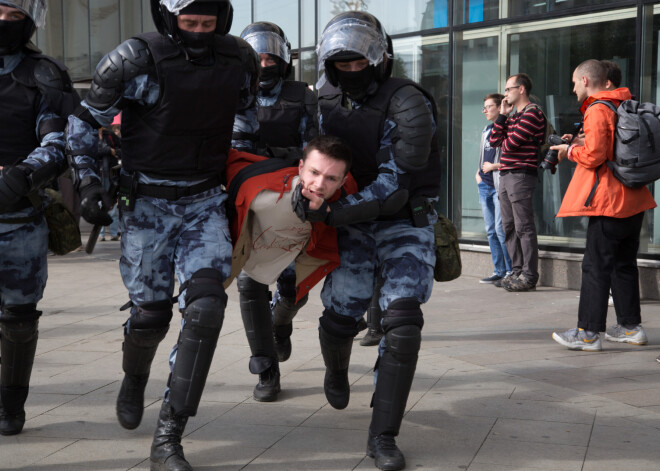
175, 6
352, 35
35, 9
268, 42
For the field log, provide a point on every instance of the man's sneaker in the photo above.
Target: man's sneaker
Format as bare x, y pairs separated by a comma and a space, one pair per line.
507, 279
491, 279
579, 339
634, 335
519, 284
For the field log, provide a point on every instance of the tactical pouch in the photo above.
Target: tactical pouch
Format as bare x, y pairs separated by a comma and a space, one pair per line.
63, 230
447, 253
127, 192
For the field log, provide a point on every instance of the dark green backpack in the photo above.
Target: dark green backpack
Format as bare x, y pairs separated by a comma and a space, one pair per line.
447, 253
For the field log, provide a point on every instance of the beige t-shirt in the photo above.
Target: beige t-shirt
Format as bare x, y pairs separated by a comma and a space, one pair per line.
277, 234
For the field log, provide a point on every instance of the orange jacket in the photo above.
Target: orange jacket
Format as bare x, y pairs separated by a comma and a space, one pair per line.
612, 198
321, 255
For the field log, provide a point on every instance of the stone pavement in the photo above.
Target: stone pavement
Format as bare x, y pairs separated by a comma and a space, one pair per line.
493, 391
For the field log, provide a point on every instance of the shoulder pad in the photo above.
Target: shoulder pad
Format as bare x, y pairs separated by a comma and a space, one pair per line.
52, 80
413, 136
128, 60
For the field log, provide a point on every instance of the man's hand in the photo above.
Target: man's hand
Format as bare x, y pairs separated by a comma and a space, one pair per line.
305, 208
489, 167
505, 107
562, 151
477, 177
14, 185
95, 204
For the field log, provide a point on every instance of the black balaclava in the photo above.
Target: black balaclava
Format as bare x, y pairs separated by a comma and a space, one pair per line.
198, 44
357, 84
14, 34
271, 75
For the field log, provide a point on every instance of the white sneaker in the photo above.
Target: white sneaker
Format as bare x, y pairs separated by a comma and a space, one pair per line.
619, 333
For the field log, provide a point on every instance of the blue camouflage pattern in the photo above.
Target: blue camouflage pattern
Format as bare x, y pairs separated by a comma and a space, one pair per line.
23, 267
162, 239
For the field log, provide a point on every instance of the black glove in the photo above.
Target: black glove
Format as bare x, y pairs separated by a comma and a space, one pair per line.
95, 204
14, 185
300, 206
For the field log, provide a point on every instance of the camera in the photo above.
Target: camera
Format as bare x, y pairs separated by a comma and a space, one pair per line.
551, 159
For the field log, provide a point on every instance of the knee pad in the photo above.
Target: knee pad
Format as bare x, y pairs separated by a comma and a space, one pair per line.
203, 318
404, 342
402, 311
19, 323
285, 309
151, 315
338, 325
255, 311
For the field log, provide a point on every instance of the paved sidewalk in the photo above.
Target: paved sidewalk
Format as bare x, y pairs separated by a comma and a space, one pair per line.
493, 391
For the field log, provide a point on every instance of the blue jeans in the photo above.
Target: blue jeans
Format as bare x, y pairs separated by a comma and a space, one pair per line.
490, 207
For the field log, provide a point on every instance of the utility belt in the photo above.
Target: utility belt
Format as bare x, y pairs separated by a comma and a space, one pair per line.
130, 189
528, 171
416, 210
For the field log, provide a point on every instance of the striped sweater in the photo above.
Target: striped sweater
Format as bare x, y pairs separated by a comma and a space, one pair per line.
519, 136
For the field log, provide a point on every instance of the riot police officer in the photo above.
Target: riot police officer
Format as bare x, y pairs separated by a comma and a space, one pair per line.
385, 231
179, 90
36, 95
286, 113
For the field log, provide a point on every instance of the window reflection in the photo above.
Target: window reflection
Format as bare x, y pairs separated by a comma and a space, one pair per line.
104, 17
76, 39
284, 13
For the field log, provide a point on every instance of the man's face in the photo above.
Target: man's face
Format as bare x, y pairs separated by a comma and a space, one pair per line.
321, 174
491, 110
267, 60
579, 87
11, 14
197, 23
512, 91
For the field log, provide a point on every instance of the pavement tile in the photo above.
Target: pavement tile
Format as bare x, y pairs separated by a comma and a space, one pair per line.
548, 456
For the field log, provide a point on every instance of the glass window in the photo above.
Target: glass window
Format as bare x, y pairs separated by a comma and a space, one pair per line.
549, 57
307, 65
308, 22
425, 60
476, 11
476, 75
147, 19
50, 38
242, 16
130, 13
396, 16
104, 30
76, 39
284, 13
530, 7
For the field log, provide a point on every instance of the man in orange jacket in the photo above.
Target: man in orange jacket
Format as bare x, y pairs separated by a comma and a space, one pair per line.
615, 216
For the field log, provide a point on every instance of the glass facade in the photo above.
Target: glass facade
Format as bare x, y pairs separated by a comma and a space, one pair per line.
459, 50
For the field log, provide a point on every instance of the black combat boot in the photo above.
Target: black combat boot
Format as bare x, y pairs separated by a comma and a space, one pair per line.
374, 329
336, 356
139, 348
396, 369
284, 310
268, 386
12, 413
18, 345
166, 449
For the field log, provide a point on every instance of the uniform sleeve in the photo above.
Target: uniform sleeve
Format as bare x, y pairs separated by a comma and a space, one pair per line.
51, 149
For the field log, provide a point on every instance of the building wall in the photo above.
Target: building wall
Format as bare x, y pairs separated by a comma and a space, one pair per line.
460, 51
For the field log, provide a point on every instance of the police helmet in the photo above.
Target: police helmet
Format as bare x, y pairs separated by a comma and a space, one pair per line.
35, 11
355, 35
268, 38
164, 13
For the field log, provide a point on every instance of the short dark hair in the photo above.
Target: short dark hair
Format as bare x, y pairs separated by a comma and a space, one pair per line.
595, 70
613, 72
524, 80
332, 146
496, 97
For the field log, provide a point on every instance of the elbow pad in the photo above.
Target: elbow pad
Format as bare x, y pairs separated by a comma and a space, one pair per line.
344, 214
414, 128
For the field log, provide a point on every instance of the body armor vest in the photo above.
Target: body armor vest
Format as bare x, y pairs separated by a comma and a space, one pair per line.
279, 125
362, 129
20, 100
186, 135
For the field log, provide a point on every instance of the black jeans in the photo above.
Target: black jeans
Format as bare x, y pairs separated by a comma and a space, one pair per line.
610, 261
